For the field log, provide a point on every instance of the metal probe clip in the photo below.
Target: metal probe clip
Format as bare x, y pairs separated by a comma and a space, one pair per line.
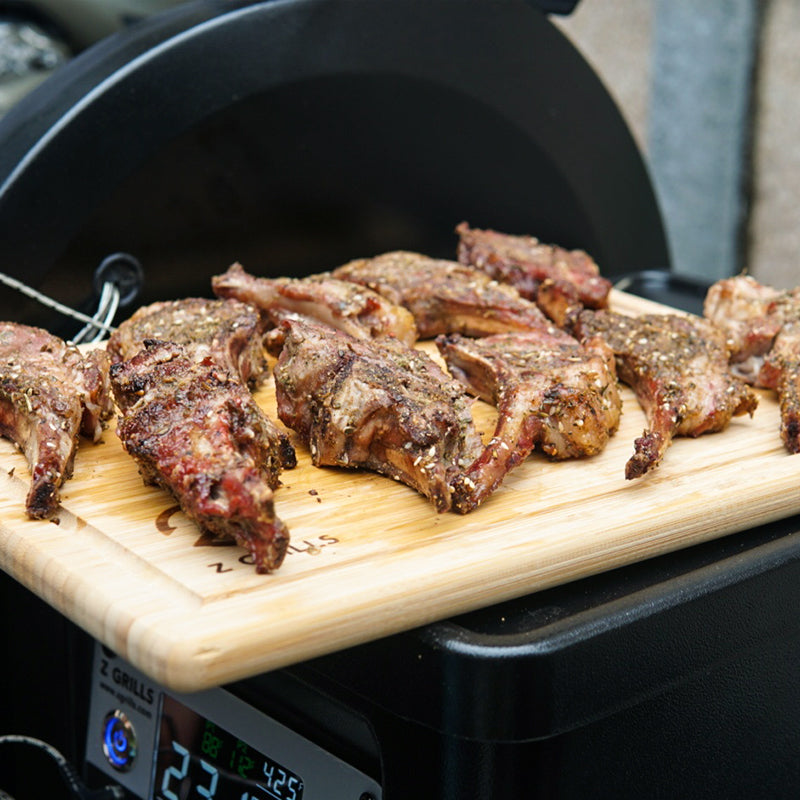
117, 282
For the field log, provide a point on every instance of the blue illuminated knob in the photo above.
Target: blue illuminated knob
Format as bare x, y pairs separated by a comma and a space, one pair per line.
119, 741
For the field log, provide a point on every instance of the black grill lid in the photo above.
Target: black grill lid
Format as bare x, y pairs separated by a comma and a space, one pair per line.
295, 134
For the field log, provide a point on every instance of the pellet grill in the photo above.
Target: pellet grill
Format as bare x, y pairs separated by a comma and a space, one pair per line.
292, 135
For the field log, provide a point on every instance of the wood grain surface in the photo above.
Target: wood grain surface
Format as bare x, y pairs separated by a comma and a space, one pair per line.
369, 556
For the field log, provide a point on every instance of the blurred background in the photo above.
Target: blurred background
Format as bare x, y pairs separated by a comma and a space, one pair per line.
708, 90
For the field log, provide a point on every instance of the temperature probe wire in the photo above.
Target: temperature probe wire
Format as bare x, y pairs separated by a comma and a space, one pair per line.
75, 785
101, 325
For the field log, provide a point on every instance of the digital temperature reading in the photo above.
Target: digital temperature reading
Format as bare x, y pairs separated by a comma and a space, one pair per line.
198, 760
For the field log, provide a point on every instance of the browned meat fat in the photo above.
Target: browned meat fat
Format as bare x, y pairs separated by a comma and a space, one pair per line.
678, 367
444, 296
549, 390
347, 306
561, 281
381, 406
195, 430
49, 393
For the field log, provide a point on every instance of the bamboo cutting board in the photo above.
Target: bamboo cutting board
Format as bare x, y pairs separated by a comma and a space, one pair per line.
369, 557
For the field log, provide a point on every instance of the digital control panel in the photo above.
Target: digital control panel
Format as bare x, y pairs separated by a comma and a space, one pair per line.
204, 746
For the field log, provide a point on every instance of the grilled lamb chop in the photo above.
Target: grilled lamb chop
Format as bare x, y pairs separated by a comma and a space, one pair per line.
195, 430
763, 329
49, 393
347, 306
751, 315
781, 371
678, 367
561, 281
549, 390
444, 296
229, 331
379, 405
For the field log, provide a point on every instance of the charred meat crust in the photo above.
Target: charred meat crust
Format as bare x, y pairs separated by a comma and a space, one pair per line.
382, 406
195, 430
